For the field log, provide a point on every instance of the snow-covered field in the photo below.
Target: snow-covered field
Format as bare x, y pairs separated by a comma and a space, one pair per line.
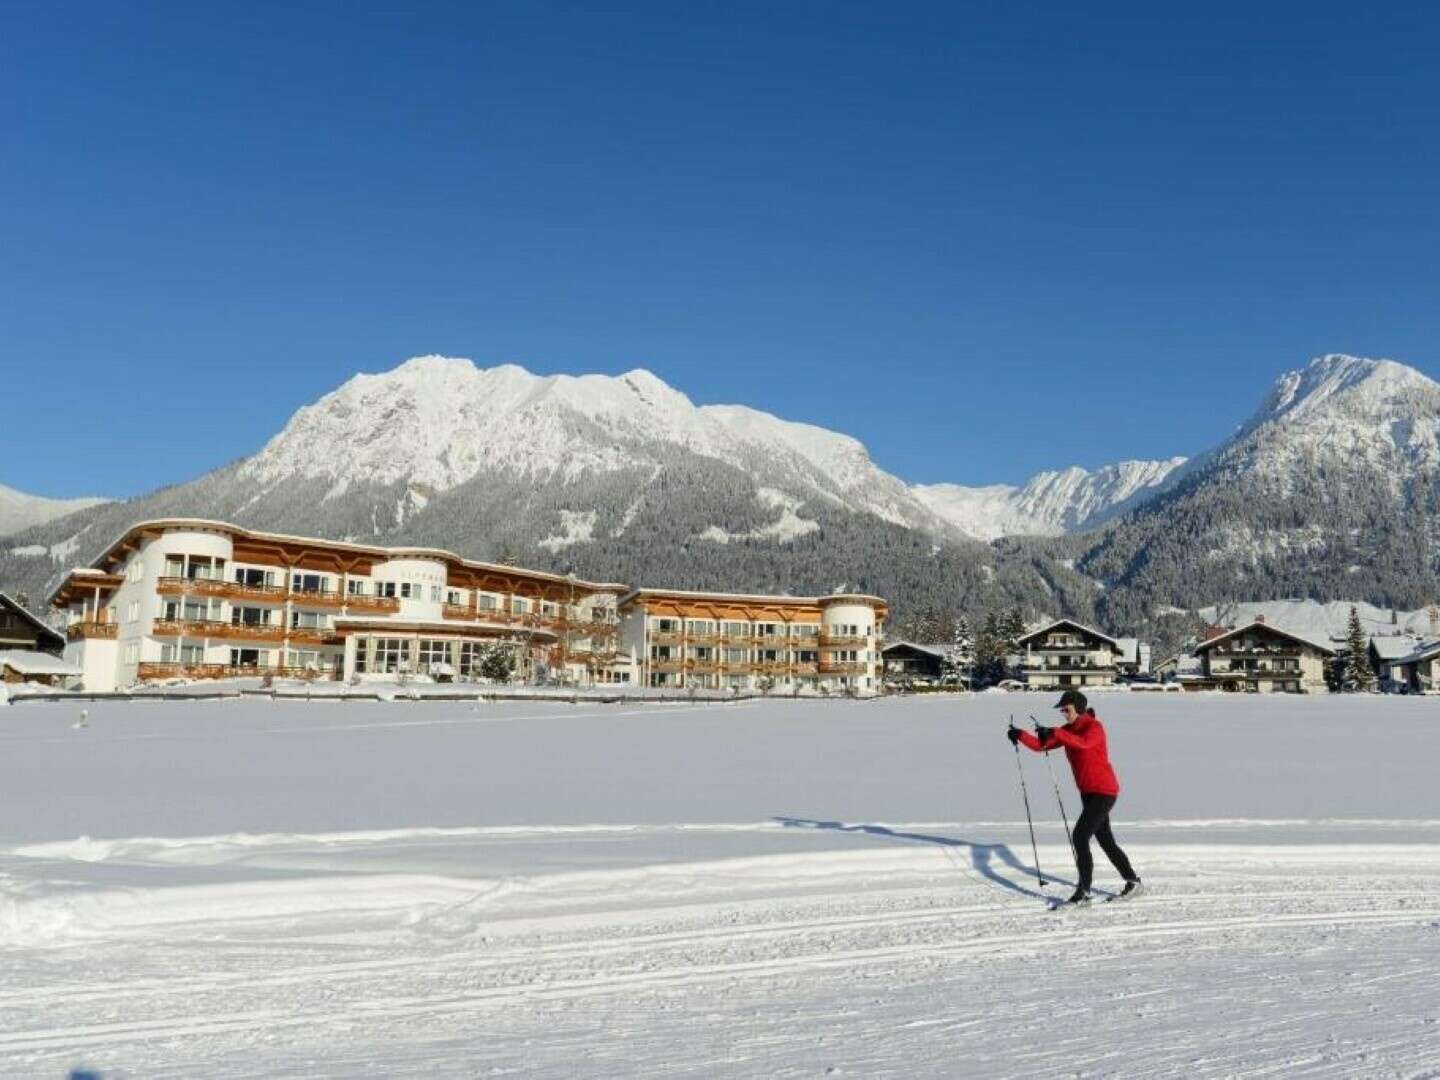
253, 887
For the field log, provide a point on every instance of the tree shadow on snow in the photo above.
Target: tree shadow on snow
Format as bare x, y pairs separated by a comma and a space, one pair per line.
982, 856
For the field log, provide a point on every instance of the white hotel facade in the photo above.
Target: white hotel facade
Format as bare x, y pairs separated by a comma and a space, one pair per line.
187, 598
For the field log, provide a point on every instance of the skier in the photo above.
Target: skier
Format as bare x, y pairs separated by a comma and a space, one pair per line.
1083, 738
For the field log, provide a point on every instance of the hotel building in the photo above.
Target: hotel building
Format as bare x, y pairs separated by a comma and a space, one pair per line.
719, 641
186, 598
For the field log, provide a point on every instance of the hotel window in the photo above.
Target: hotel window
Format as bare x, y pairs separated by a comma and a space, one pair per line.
385, 588
405, 590
667, 626
699, 626
307, 620
198, 610
188, 654
307, 583
135, 570
304, 658
132, 611
487, 603
253, 658
452, 597
519, 606
737, 656
355, 587
249, 616
434, 594
735, 629
255, 578
132, 653
433, 652
391, 654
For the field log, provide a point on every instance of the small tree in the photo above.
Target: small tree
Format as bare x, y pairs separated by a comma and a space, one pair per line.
959, 661
497, 663
1356, 674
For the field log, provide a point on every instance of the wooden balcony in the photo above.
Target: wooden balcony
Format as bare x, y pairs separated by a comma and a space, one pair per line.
805, 668
846, 641
212, 628
170, 669
703, 667
673, 666
842, 668
372, 605
665, 638
79, 630
309, 635
321, 598
459, 611
228, 590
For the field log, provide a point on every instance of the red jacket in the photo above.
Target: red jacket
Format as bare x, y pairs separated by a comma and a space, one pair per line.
1084, 743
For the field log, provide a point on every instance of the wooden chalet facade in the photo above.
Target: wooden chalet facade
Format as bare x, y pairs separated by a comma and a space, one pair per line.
23, 631
1068, 653
1261, 658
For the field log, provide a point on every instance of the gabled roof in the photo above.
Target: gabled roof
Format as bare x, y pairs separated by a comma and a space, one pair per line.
1394, 646
932, 650
1205, 646
1071, 623
43, 632
1425, 652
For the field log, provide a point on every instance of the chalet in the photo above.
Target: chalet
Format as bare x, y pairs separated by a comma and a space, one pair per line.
1132, 658
20, 630
1066, 653
904, 661
1386, 651
1419, 673
1262, 658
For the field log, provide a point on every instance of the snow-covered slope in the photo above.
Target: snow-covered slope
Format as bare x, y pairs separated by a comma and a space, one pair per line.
21, 511
1326, 622
1050, 503
434, 423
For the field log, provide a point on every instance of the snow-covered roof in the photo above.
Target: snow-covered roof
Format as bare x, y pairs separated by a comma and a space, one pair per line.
1394, 646
1204, 646
934, 650
646, 593
28, 662
1067, 622
40, 627
1425, 652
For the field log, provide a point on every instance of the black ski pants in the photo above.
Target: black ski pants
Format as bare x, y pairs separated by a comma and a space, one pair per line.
1094, 820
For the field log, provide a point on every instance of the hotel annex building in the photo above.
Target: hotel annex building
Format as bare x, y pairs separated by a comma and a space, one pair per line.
186, 598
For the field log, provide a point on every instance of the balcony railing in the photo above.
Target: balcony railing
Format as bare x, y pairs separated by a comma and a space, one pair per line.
78, 630
326, 598
847, 667
214, 628
667, 665
458, 611
230, 590
843, 640
171, 669
378, 605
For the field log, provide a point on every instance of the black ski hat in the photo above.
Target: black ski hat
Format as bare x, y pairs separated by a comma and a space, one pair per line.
1073, 697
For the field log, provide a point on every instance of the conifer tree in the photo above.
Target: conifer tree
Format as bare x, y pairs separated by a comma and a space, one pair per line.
1357, 673
960, 654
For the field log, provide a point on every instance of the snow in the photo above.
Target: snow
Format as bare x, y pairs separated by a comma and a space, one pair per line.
243, 888
1050, 503
30, 662
30, 551
787, 527
578, 526
19, 511
436, 422
1324, 622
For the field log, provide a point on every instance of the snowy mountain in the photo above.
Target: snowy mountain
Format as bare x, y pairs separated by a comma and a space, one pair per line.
21, 511
435, 423
1050, 503
1332, 488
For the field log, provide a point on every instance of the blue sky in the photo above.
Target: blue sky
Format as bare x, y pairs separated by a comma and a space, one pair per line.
986, 239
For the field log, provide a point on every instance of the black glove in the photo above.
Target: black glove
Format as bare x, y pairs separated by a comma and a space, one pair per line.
1013, 734
1043, 733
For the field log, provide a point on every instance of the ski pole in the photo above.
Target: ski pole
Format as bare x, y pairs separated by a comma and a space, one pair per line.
1074, 854
1025, 794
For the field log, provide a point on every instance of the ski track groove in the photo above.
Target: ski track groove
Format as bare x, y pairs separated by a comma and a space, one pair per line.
690, 974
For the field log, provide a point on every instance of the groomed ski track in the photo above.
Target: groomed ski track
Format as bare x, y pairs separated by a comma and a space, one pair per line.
1289, 944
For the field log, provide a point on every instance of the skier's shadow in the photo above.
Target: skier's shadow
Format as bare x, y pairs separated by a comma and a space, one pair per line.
982, 856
